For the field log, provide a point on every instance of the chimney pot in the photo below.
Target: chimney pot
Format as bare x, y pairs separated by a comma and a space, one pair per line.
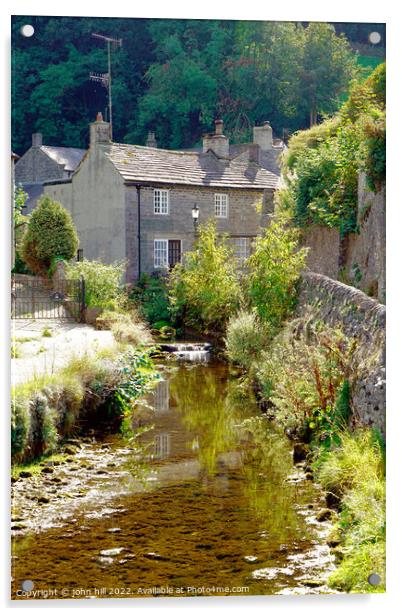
99, 131
151, 140
219, 127
37, 140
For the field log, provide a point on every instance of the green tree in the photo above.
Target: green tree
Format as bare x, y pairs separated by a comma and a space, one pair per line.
205, 288
273, 271
50, 234
328, 65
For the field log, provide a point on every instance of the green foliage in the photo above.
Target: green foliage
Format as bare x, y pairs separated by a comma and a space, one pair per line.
303, 375
205, 288
356, 471
102, 282
20, 424
173, 76
322, 164
245, 338
50, 233
151, 296
137, 375
274, 269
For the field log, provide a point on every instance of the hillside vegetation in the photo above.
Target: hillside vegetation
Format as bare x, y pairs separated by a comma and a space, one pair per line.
322, 164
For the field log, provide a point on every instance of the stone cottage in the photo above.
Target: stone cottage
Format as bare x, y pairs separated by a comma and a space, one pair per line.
137, 203
41, 163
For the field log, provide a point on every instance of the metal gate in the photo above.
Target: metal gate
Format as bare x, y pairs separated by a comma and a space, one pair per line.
38, 298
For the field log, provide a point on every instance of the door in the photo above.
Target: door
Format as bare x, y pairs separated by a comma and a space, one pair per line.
174, 252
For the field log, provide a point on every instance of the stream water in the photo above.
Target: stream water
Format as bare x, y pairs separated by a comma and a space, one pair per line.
205, 500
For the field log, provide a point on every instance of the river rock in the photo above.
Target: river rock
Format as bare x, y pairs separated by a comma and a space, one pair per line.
47, 469
155, 556
323, 515
43, 500
71, 450
250, 559
312, 583
309, 476
25, 474
112, 552
299, 452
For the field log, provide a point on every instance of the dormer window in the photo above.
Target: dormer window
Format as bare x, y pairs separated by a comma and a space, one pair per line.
221, 205
161, 202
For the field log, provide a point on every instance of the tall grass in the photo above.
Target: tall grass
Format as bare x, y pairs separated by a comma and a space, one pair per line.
356, 471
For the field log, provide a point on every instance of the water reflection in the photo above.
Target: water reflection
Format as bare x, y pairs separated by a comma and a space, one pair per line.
218, 508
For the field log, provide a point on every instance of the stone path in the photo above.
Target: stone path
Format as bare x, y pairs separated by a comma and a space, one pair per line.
40, 354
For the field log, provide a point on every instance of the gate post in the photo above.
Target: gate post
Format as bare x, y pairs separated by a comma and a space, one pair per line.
83, 305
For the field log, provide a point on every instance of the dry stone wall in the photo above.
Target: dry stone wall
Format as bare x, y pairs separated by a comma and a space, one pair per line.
362, 318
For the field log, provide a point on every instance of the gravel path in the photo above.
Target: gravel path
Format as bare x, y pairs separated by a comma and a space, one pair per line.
38, 354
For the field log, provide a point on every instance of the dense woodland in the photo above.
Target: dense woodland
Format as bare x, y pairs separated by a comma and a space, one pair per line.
176, 76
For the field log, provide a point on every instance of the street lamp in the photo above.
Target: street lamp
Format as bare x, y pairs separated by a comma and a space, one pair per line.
195, 212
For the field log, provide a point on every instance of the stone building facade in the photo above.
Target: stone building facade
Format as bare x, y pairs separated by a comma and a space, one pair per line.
135, 203
42, 163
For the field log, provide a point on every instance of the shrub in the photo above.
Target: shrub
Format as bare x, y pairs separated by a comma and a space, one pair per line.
274, 269
151, 295
245, 338
102, 282
20, 424
302, 375
205, 288
50, 233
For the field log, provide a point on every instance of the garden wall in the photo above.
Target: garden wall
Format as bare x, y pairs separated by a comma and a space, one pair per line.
361, 318
360, 258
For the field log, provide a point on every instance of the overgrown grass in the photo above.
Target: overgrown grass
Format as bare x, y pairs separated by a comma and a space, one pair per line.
127, 327
49, 407
356, 471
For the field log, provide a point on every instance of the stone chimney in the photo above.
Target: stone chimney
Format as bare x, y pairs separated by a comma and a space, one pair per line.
99, 132
217, 142
151, 140
263, 136
37, 140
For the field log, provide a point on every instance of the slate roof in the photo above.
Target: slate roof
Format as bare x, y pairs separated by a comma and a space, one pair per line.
155, 165
70, 158
34, 191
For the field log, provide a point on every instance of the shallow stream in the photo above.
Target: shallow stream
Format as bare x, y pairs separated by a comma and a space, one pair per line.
205, 500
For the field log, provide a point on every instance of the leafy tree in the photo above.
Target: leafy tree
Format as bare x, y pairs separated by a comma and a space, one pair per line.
273, 271
50, 234
205, 288
173, 77
327, 68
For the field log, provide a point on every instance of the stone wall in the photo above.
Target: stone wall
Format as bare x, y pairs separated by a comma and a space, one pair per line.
361, 318
365, 253
323, 244
360, 259
245, 218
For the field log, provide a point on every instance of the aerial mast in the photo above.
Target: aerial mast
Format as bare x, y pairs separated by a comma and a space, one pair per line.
106, 78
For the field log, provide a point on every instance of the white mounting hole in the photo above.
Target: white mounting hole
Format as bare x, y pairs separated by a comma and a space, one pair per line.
27, 30
374, 38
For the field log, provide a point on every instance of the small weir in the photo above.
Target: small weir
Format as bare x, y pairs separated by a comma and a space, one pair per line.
199, 352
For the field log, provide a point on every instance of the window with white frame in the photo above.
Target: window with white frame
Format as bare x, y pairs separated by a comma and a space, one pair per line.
241, 247
221, 205
161, 201
161, 253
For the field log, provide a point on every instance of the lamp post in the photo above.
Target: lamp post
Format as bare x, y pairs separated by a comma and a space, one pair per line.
195, 212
